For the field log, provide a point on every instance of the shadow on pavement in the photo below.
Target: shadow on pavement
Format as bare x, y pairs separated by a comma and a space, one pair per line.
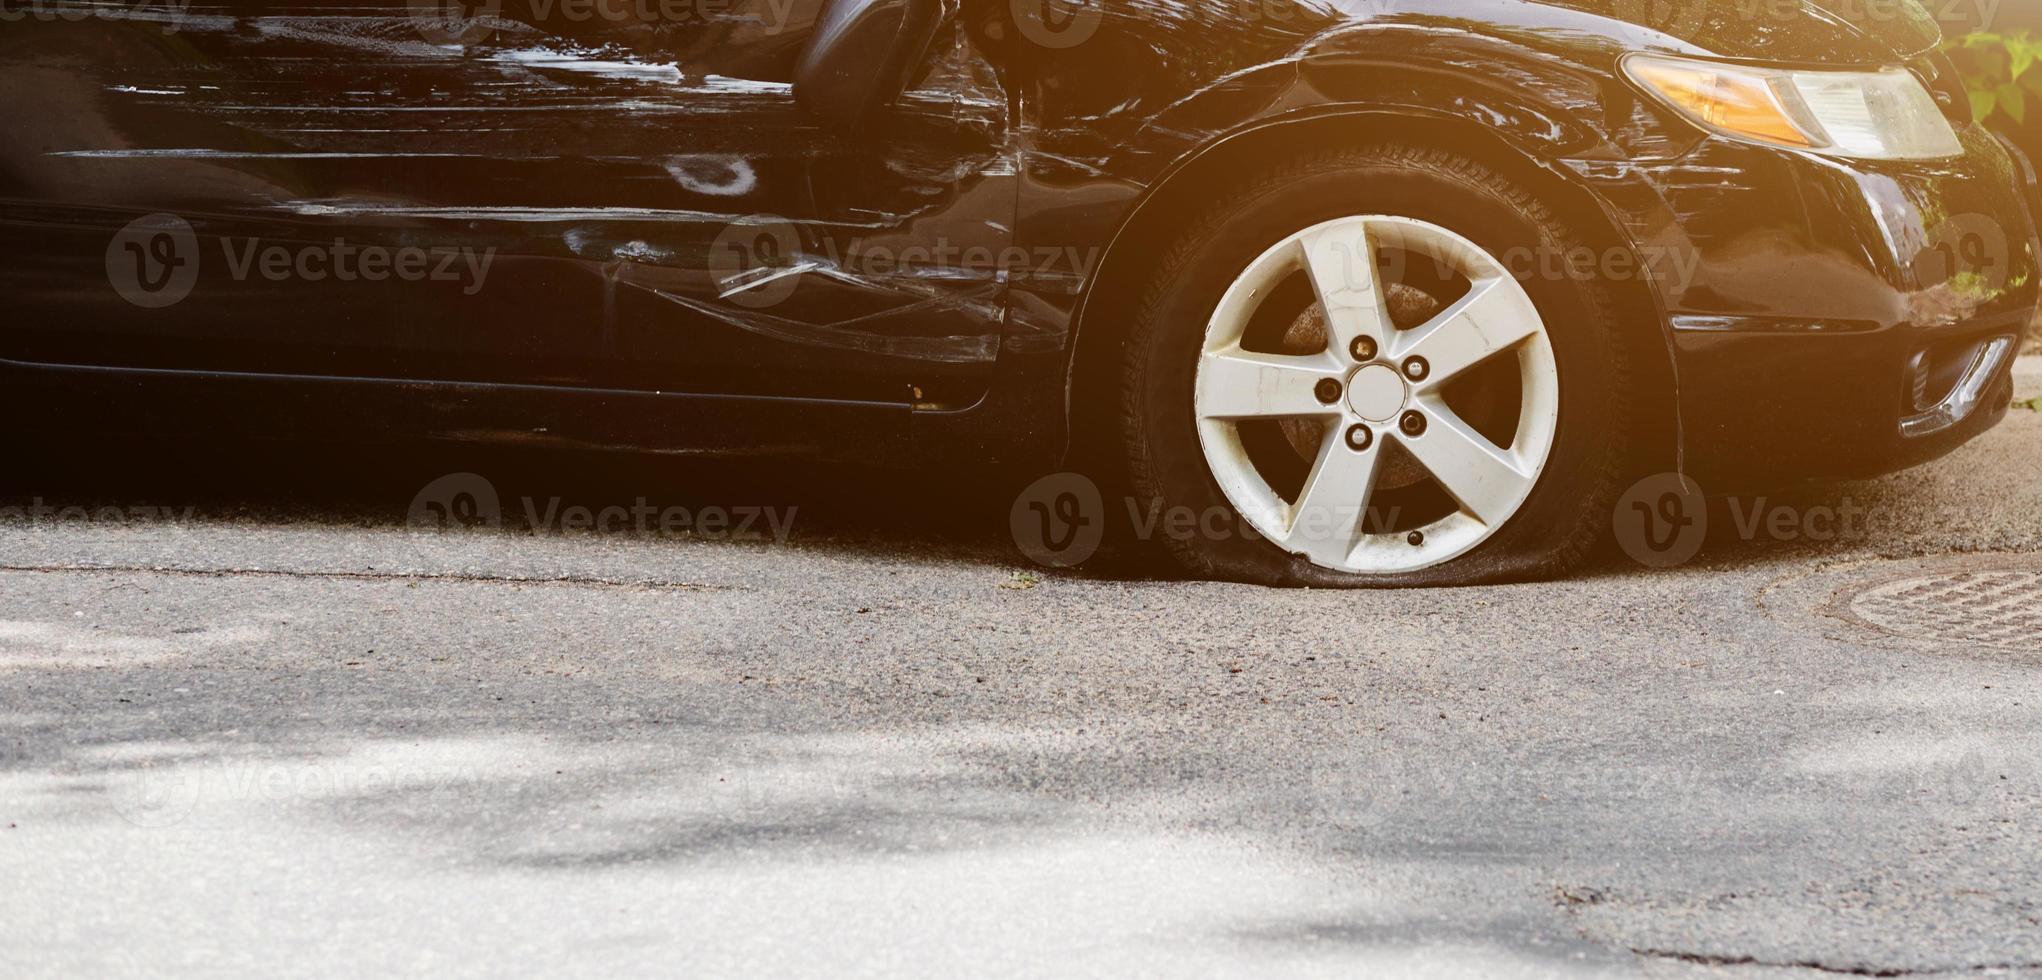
956, 513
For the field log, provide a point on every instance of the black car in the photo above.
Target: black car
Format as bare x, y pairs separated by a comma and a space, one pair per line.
1408, 291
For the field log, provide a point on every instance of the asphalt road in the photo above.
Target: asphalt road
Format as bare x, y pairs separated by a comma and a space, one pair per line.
283, 734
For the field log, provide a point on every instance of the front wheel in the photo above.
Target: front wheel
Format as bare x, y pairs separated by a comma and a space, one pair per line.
1368, 364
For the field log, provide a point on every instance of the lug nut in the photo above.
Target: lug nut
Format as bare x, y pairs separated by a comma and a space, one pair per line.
1413, 424
1328, 391
1416, 369
1417, 539
1363, 349
1359, 438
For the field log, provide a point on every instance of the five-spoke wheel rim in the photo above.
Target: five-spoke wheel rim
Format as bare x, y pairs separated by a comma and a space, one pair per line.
1374, 387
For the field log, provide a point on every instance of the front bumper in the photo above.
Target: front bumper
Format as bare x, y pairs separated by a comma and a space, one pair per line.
1842, 320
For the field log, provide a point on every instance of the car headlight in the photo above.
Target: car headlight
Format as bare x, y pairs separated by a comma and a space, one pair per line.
1881, 115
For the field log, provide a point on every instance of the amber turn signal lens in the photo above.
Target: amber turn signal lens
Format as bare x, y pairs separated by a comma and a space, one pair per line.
1735, 102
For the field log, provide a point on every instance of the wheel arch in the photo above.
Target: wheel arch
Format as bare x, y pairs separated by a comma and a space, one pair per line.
1108, 302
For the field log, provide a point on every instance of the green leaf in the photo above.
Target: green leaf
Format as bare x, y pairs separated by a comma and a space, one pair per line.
2013, 100
2033, 52
1983, 104
2000, 71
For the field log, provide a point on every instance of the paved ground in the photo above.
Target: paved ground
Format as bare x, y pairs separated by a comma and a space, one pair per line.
301, 740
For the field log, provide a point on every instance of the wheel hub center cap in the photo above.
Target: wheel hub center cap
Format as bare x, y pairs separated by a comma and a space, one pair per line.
1376, 393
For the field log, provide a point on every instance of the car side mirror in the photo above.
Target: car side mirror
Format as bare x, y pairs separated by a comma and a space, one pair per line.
862, 56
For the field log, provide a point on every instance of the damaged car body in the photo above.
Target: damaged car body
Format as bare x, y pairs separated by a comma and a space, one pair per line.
1474, 264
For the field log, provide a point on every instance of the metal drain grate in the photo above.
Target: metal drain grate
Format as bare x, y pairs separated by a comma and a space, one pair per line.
2000, 608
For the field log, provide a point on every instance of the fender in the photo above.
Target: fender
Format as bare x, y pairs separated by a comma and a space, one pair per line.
1561, 112
1550, 99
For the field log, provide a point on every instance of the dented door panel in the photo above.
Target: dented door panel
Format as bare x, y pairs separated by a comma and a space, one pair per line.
577, 171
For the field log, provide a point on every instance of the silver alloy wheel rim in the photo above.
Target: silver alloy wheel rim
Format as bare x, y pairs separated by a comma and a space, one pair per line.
1326, 523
